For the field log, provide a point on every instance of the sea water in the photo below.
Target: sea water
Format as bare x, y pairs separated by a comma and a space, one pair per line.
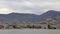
29, 31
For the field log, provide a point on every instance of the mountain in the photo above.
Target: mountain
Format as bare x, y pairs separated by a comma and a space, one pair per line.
18, 18
27, 18
51, 13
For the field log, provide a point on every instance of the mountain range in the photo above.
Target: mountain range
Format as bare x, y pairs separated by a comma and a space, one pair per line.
27, 18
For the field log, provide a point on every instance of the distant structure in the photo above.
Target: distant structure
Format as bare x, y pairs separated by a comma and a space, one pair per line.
1, 26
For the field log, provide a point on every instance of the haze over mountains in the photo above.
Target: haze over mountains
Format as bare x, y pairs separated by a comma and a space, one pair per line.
27, 18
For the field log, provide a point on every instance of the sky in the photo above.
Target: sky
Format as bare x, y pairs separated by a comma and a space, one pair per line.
28, 6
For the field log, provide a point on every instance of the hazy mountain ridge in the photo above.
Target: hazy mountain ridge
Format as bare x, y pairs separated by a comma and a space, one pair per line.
27, 18
51, 13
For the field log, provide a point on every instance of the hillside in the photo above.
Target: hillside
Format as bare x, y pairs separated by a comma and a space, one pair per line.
27, 18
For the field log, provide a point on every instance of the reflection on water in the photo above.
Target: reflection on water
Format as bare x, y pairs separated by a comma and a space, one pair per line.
29, 31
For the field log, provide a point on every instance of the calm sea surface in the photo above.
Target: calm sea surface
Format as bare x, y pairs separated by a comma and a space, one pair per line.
29, 31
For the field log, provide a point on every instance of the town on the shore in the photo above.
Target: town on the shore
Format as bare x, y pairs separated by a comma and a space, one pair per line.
48, 23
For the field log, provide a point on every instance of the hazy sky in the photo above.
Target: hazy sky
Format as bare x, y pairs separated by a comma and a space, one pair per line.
28, 6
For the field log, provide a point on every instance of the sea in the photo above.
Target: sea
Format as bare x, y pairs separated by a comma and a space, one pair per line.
29, 31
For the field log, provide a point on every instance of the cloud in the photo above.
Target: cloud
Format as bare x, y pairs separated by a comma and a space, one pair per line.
4, 11
30, 6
